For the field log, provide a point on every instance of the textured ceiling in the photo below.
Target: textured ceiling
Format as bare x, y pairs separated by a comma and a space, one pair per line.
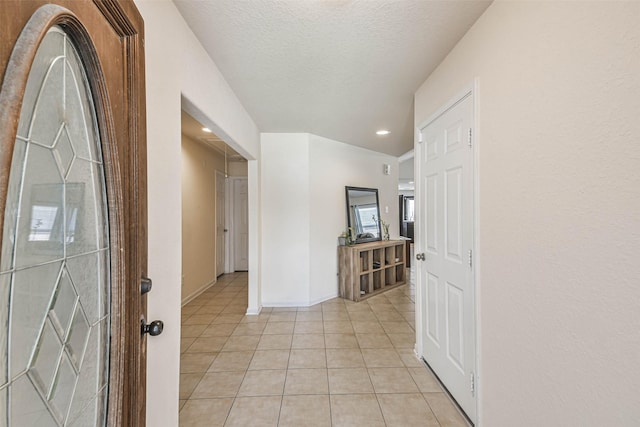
336, 68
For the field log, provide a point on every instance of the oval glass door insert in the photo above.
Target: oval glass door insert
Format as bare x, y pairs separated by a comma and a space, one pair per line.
54, 270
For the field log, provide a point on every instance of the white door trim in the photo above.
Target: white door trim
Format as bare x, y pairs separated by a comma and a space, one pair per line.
470, 90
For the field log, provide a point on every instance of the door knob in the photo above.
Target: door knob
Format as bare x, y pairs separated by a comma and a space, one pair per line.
145, 285
154, 328
420, 257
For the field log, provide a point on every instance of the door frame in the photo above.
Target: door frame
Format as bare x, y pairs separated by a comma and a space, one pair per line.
124, 157
471, 90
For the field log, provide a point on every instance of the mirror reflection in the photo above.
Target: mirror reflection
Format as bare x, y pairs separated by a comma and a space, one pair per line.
363, 214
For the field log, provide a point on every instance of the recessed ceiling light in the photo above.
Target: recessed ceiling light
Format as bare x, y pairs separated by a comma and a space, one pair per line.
206, 130
382, 132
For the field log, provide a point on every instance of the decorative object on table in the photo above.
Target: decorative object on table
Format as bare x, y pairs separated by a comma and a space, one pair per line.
346, 238
385, 229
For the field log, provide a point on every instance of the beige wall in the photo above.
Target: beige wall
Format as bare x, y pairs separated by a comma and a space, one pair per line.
199, 166
559, 208
237, 168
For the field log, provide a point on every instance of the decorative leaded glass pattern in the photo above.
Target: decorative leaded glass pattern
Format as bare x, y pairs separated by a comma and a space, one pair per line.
54, 268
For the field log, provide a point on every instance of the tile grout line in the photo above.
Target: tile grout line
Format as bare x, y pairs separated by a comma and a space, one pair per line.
349, 316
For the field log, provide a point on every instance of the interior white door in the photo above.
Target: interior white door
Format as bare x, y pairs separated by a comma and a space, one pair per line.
220, 223
241, 224
446, 237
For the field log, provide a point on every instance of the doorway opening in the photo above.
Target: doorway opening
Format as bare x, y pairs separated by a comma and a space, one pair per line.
406, 211
214, 209
214, 289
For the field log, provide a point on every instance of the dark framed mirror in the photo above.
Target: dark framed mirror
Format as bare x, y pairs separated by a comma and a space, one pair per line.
363, 214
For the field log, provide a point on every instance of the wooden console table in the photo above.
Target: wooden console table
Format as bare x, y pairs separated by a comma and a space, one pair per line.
368, 269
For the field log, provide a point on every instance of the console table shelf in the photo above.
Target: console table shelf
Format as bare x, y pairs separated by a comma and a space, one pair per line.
370, 268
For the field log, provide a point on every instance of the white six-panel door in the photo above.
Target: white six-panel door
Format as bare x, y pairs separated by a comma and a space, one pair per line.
241, 224
445, 230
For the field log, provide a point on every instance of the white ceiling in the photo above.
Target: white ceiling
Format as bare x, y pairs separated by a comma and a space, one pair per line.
341, 69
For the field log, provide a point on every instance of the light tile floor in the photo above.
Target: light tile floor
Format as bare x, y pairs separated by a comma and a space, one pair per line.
338, 363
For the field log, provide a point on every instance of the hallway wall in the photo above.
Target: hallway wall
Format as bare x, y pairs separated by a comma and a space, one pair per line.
559, 208
178, 73
199, 166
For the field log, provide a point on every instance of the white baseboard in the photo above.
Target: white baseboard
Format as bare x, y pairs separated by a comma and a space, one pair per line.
253, 311
323, 299
299, 303
198, 292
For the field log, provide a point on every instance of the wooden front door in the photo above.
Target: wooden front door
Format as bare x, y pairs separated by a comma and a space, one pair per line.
72, 213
